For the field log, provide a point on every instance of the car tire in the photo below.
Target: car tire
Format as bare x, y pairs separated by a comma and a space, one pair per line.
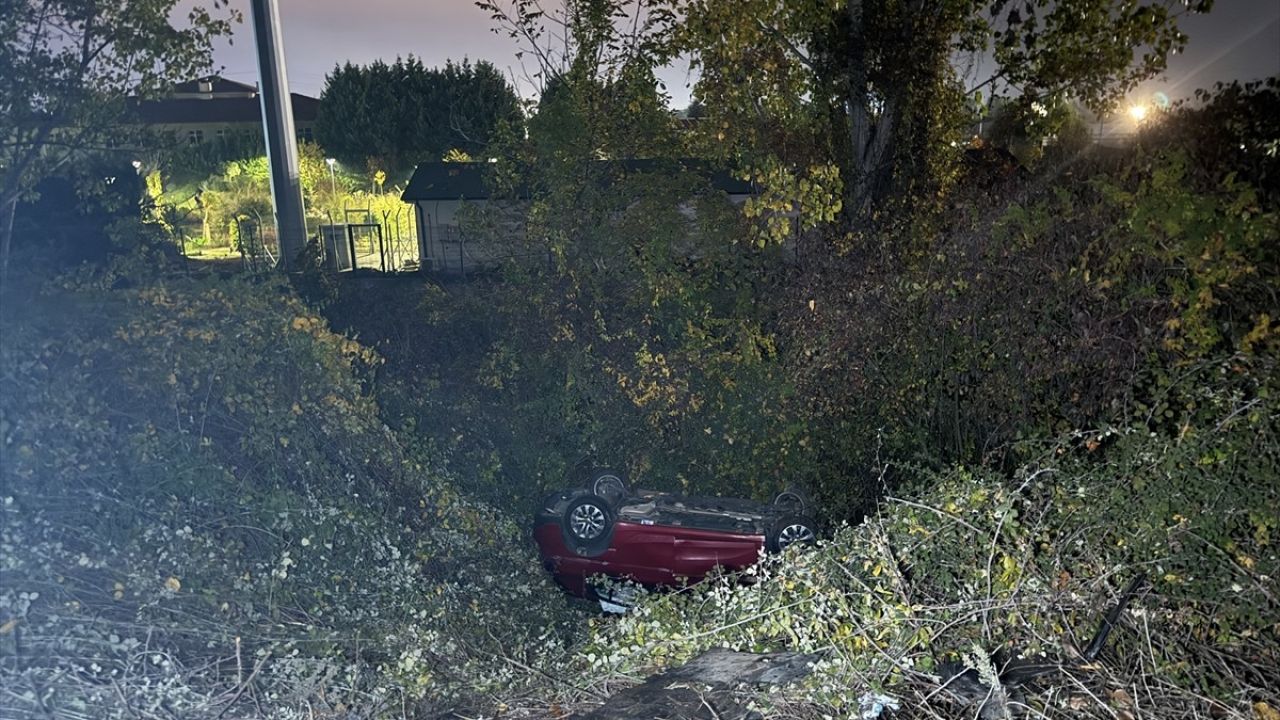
610, 485
791, 530
587, 525
792, 501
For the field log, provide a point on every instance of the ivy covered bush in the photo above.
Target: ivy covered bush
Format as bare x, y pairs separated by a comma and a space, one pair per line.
204, 516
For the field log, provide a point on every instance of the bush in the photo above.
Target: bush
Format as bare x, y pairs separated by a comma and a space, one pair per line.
970, 562
204, 513
1028, 316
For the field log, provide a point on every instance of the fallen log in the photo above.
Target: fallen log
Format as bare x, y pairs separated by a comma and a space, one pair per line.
704, 688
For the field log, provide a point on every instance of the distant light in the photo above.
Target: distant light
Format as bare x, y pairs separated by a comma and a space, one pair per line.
137, 164
1138, 112
331, 161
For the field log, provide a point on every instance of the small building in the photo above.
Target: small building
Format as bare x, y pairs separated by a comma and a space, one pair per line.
443, 192
213, 109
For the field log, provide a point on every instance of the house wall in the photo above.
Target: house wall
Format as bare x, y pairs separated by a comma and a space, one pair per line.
446, 248
438, 234
209, 132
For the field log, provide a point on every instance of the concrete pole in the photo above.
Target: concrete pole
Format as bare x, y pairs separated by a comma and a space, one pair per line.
277, 124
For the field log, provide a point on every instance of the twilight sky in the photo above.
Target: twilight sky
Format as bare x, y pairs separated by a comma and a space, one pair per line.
1240, 39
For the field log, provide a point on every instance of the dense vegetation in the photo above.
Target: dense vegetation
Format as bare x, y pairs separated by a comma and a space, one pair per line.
204, 513
69, 66
394, 116
216, 198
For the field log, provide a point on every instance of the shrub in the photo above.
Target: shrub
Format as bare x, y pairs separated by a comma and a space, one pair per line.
204, 512
1026, 565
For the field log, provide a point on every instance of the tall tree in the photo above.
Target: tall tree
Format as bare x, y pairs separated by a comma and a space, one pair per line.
872, 84
404, 113
69, 68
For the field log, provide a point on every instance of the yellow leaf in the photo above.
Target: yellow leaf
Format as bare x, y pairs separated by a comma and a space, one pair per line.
1265, 711
8, 627
173, 584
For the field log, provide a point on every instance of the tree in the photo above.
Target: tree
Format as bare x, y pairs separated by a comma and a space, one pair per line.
871, 86
70, 67
405, 113
625, 320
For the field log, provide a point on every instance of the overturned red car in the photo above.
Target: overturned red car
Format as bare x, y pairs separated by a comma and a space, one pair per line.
605, 530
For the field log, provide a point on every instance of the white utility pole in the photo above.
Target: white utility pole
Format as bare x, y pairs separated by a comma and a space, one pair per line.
277, 124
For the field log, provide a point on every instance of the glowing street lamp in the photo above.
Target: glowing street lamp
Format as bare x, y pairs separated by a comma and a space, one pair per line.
333, 183
1138, 113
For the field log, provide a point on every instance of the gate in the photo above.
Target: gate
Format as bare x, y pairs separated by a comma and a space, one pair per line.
385, 242
255, 245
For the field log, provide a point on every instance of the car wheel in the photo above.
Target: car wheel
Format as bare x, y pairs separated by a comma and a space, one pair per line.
791, 530
792, 502
587, 525
610, 485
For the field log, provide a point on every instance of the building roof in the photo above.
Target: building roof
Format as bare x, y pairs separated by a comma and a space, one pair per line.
447, 181
213, 85
467, 181
179, 111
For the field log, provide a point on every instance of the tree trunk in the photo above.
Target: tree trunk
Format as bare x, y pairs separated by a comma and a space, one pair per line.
885, 108
858, 121
869, 135
7, 212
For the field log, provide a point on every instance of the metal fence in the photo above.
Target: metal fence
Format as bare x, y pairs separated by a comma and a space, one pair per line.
369, 240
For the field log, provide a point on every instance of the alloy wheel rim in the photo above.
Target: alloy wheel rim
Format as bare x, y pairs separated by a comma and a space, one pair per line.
793, 534
587, 522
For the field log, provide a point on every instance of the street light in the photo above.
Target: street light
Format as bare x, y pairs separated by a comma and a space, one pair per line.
333, 184
1138, 113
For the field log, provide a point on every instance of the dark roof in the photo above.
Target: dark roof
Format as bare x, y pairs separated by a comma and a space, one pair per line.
176, 111
218, 85
447, 181
467, 181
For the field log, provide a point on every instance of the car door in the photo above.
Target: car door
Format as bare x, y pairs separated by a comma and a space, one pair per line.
644, 553
697, 552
